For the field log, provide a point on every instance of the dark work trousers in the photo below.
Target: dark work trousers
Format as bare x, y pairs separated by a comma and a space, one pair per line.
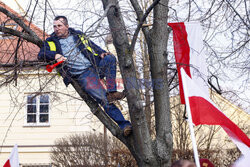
89, 81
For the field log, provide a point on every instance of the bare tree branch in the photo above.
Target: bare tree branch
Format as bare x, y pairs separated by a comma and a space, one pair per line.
34, 39
19, 21
142, 19
243, 21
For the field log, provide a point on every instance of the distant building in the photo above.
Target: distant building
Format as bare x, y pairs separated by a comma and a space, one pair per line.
37, 109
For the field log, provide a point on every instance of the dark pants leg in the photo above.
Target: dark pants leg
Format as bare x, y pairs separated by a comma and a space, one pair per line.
90, 83
107, 68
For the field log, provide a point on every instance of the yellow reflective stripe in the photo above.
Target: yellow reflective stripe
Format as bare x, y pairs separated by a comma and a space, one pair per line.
86, 43
52, 45
91, 50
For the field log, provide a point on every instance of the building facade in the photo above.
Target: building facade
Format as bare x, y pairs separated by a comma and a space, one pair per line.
36, 112
36, 107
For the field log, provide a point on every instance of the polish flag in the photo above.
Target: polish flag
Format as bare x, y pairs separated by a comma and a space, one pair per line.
204, 111
189, 54
13, 160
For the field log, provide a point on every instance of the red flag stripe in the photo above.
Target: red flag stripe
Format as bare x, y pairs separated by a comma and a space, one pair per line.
13, 160
7, 163
181, 51
203, 112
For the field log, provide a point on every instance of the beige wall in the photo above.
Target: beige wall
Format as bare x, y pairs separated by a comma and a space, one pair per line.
68, 115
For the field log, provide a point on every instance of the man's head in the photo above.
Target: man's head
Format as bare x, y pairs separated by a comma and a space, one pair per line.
183, 163
61, 26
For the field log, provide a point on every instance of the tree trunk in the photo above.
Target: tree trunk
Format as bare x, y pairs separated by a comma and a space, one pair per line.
146, 151
157, 46
141, 148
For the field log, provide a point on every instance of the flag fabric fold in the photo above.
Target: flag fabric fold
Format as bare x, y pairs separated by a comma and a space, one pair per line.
189, 53
191, 67
204, 111
13, 160
243, 161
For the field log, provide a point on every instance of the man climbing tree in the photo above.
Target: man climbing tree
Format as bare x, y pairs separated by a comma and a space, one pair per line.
85, 63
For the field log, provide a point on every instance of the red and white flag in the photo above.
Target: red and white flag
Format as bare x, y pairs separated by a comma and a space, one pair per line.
204, 111
189, 54
13, 160
188, 48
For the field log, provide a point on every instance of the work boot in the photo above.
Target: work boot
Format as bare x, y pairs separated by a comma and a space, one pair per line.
127, 130
113, 96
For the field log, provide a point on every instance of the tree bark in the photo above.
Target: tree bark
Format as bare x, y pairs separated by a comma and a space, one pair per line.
29, 35
147, 152
142, 140
157, 46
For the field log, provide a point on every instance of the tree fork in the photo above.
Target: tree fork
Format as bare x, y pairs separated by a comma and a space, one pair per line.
142, 139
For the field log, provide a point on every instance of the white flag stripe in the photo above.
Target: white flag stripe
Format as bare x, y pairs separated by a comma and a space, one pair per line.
14, 160
195, 91
244, 149
198, 67
243, 161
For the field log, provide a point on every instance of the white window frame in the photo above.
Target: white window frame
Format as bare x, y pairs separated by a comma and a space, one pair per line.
38, 113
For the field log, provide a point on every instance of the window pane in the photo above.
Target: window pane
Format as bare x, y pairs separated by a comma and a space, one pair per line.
44, 118
44, 99
31, 99
31, 108
44, 108
31, 118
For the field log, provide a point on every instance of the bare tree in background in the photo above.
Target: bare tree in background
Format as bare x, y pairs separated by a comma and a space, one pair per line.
89, 150
221, 20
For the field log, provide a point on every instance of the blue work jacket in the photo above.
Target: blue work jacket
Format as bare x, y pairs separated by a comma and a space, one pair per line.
51, 46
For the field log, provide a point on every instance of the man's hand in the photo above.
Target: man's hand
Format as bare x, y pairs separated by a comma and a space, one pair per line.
60, 57
105, 54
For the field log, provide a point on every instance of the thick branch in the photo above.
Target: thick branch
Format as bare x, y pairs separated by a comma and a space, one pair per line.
142, 150
157, 47
19, 21
142, 18
33, 39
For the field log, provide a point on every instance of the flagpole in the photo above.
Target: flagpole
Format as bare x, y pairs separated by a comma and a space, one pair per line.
190, 122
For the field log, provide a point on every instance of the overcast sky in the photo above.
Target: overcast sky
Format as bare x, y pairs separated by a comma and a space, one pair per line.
13, 4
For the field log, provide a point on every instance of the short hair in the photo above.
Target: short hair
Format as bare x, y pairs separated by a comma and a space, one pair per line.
65, 20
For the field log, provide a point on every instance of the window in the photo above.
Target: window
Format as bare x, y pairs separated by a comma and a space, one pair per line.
37, 112
8, 25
